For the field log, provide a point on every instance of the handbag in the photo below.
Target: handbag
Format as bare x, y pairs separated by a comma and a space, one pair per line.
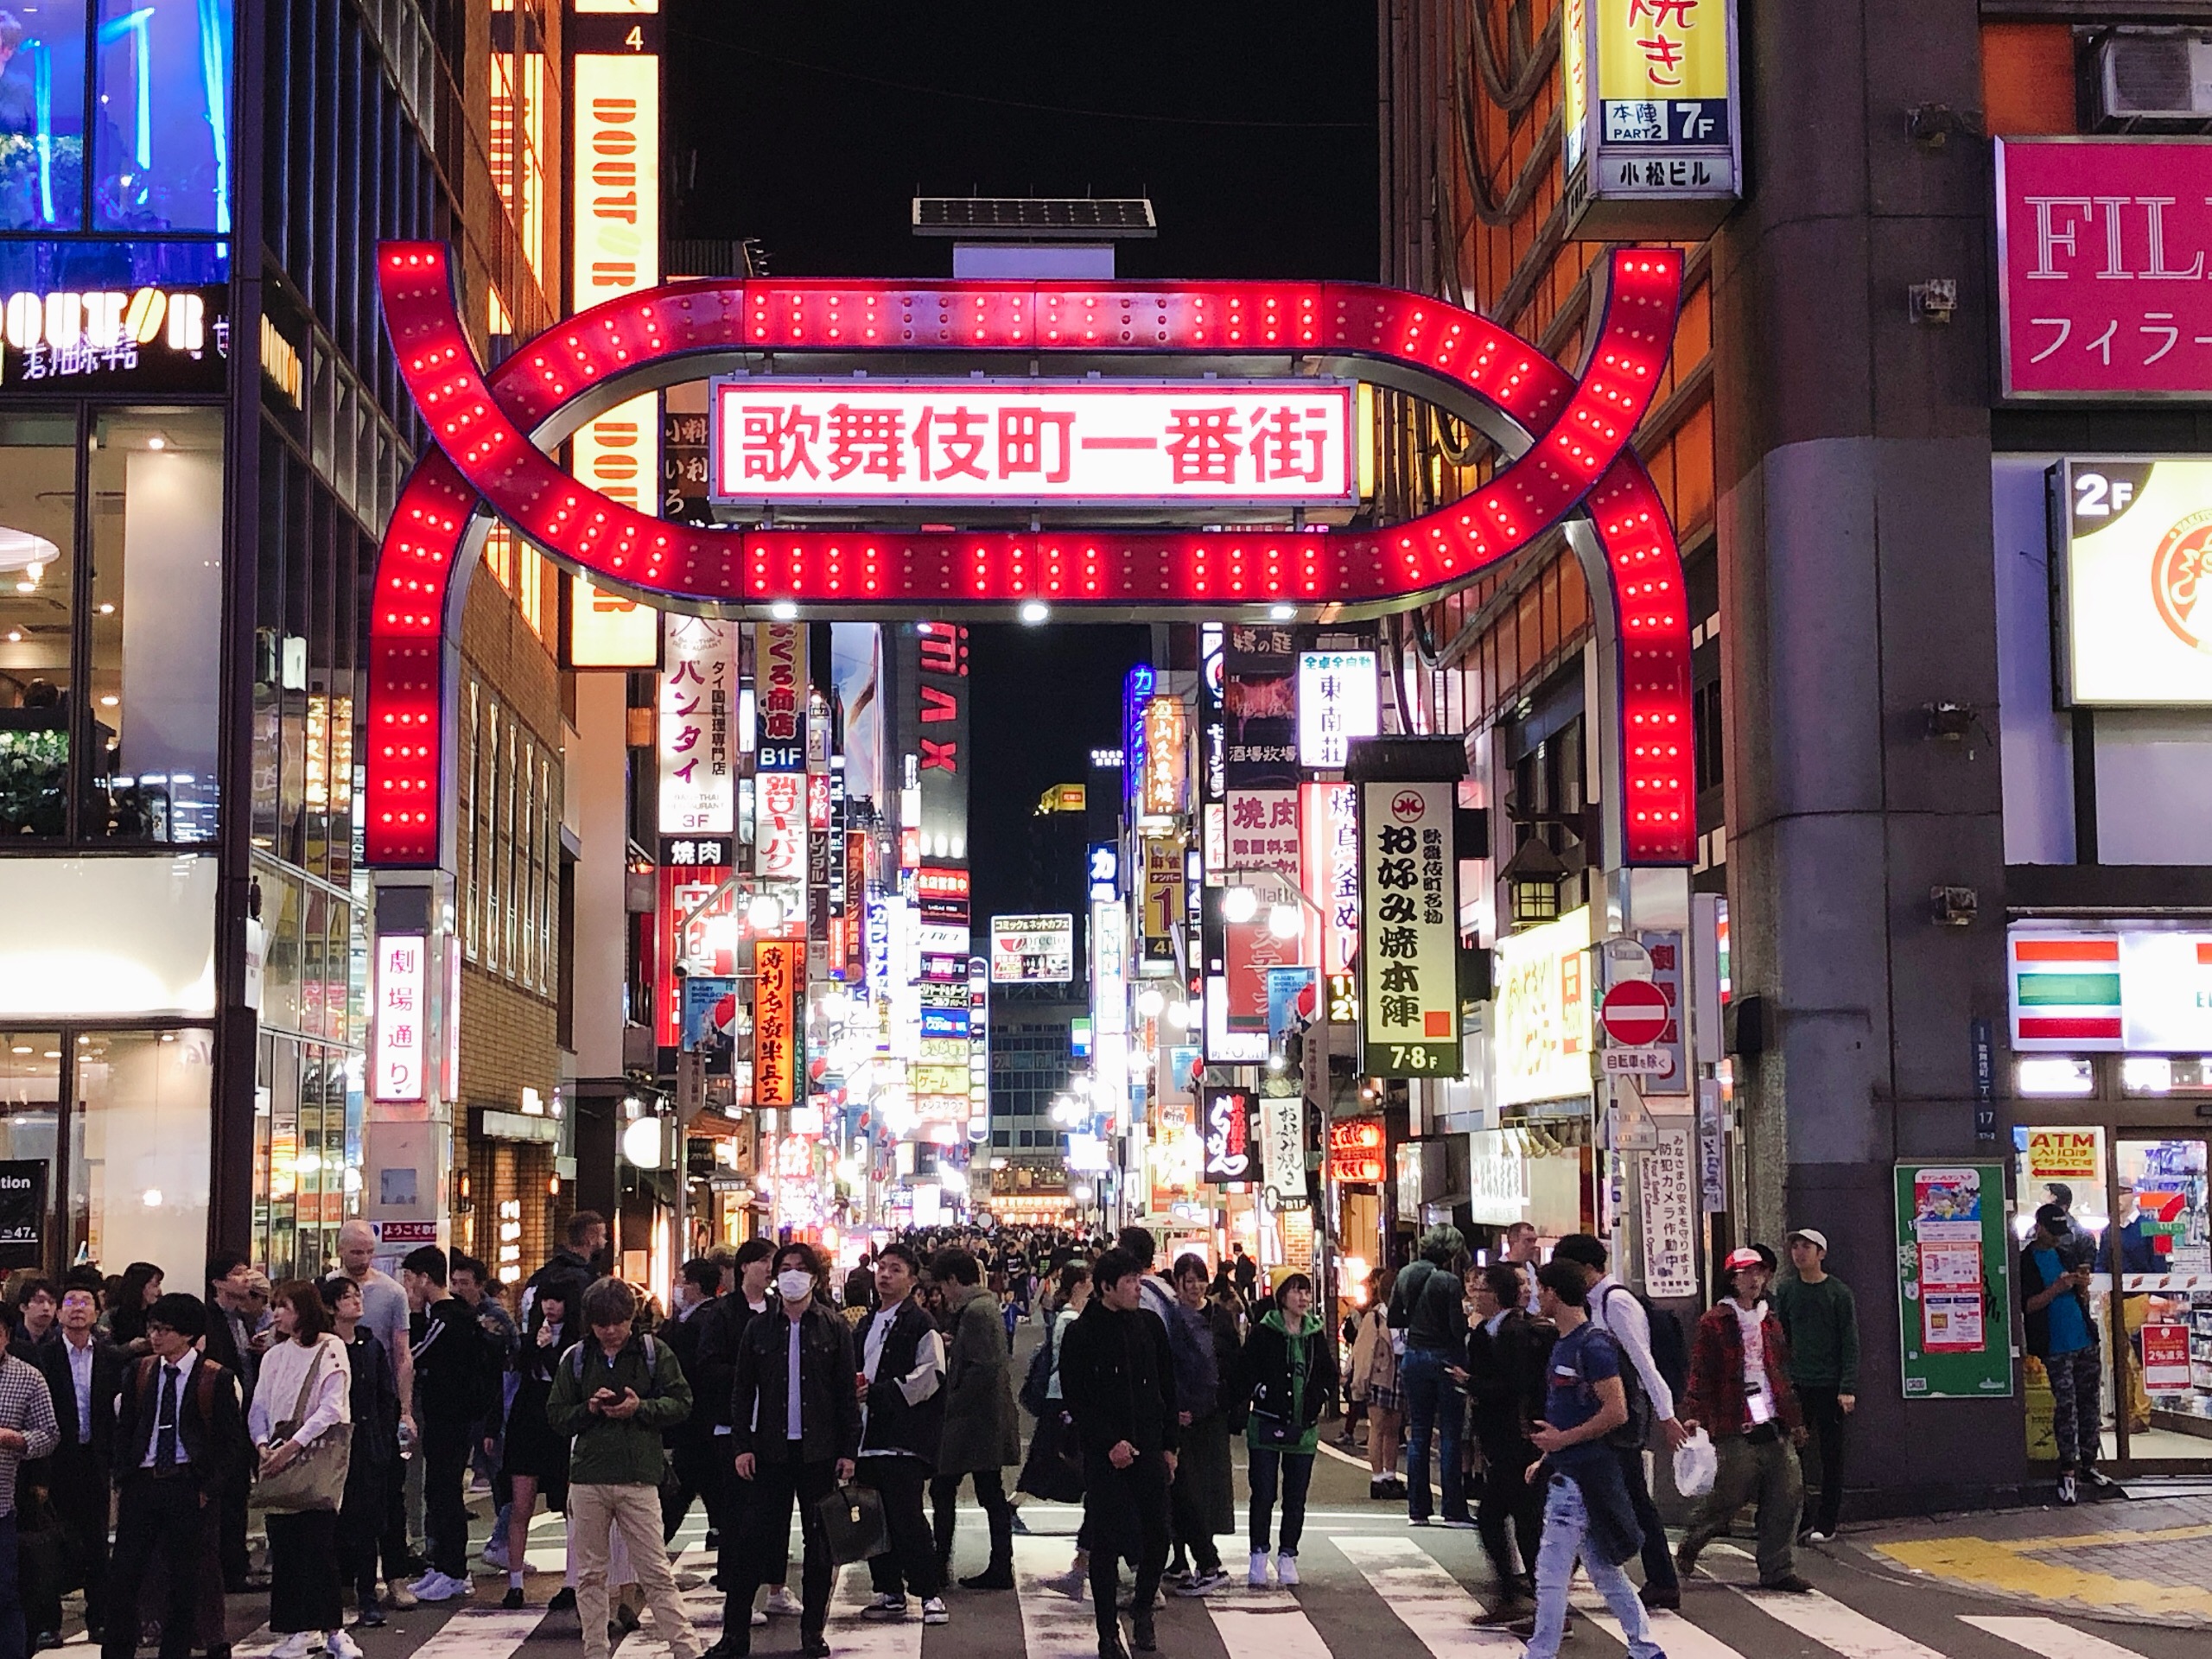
1037, 1380
852, 1520
1272, 1434
315, 1479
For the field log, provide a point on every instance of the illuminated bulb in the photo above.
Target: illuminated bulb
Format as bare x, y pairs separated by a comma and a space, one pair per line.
1282, 613
1151, 1004
783, 611
1282, 921
1035, 611
1239, 904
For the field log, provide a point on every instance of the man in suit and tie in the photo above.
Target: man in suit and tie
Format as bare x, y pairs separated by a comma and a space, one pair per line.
83, 1375
180, 1439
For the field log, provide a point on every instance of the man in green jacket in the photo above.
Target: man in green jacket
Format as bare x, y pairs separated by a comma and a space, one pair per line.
616, 1392
982, 1433
1821, 1322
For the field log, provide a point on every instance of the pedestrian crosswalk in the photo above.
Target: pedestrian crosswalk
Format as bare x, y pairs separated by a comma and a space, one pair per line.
1367, 1593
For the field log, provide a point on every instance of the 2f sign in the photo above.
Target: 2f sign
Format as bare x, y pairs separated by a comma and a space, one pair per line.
2096, 496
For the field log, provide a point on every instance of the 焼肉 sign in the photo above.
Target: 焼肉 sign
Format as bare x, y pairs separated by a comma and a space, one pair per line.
783, 443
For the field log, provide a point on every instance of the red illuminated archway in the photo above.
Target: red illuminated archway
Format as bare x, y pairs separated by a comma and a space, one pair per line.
488, 432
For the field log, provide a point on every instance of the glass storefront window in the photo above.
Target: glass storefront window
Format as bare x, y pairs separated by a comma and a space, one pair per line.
138, 1160
156, 483
2166, 1074
2161, 1235
162, 147
38, 538
2055, 1074
30, 1116
42, 116
307, 1153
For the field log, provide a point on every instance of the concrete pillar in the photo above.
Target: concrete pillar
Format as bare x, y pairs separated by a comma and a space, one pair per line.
1852, 454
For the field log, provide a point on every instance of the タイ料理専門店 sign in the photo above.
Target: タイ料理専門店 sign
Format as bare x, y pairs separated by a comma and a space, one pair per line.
786, 442
2102, 283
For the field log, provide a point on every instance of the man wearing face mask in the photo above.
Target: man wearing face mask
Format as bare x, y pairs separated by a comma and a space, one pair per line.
795, 1426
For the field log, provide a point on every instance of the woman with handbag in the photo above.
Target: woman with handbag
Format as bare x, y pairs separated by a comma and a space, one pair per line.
308, 1375
1290, 1365
1053, 1470
1375, 1385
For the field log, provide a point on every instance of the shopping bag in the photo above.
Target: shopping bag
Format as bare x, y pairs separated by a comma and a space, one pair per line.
852, 1519
1696, 1465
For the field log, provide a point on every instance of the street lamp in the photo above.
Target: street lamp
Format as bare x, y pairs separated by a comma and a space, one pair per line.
1239, 904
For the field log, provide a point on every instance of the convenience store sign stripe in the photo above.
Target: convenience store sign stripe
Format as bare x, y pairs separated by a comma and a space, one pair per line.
2068, 951
2072, 990
2072, 1027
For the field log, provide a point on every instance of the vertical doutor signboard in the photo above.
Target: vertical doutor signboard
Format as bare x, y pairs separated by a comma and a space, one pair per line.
614, 213
1955, 1282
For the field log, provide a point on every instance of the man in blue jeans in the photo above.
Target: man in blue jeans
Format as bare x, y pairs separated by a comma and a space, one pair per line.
1428, 1315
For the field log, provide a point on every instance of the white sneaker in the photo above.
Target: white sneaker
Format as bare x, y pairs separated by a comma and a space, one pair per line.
1257, 1578
758, 1619
1285, 1569
883, 1604
341, 1646
297, 1645
399, 1595
934, 1611
782, 1603
434, 1586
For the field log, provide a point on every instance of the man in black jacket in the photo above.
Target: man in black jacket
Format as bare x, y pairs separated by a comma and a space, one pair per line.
726, 1319
1118, 1379
1506, 1351
179, 1439
1428, 1306
790, 1447
83, 1374
454, 1383
902, 1399
691, 1450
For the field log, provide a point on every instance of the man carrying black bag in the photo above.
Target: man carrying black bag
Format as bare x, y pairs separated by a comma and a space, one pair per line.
83, 1376
792, 1444
902, 1379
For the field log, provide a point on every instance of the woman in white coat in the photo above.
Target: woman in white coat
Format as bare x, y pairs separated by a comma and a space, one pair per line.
305, 1374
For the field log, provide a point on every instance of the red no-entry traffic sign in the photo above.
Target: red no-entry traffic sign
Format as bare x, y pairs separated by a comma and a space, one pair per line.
1634, 1013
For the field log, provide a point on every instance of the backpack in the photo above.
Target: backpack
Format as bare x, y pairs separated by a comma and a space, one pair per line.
1039, 1377
575, 1358
1632, 1435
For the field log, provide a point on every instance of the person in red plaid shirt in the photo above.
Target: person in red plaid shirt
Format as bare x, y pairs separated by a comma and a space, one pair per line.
1739, 1391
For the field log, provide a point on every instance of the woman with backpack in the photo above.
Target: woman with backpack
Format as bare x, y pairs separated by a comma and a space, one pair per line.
1053, 1470
1290, 1370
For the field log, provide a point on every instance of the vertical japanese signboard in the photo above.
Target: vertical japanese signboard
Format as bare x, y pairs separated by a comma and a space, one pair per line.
1260, 693
1163, 905
1339, 698
1955, 1282
1652, 137
697, 727
1667, 1191
1329, 829
1226, 1124
402, 1013
778, 993
1161, 791
1409, 1000
614, 209
780, 696
1282, 1147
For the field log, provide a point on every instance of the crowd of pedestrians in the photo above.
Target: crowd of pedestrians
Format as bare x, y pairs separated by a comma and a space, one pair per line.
346, 1415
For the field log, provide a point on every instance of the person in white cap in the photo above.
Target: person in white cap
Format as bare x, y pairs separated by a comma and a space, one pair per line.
1821, 1322
1739, 1391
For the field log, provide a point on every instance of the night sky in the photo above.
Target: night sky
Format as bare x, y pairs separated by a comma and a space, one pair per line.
811, 128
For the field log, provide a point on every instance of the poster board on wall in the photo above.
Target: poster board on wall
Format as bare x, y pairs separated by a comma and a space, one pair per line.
1955, 1282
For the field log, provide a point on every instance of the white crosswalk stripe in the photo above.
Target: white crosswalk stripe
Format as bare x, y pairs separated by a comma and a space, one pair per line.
1676, 1634
1427, 1600
2047, 1637
1843, 1631
1054, 1624
1264, 1625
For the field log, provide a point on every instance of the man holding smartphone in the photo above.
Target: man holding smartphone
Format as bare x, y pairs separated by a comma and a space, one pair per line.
2061, 1332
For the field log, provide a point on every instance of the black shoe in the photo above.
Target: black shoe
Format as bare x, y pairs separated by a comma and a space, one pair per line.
1657, 1600
45, 1639
510, 1603
1789, 1584
1141, 1638
565, 1600
991, 1578
1514, 1609
1526, 1627
814, 1644
628, 1618
1110, 1647
372, 1617
614, 1634
730, 1647
1685, 1559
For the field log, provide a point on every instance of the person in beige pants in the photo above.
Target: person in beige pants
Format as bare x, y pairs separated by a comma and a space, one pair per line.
616, 1392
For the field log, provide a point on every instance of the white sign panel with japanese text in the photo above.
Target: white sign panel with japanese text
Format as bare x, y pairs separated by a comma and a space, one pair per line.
402, 1013
698, 727
1339, 699
783, 442
1033, 950
1665, 1186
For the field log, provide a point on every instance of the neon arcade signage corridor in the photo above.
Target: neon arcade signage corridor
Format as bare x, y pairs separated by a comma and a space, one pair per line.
488, 430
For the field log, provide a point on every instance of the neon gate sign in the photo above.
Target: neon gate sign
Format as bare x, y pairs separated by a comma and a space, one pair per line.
488, 430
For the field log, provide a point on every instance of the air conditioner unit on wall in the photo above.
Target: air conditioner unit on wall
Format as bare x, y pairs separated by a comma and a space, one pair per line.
2154, 80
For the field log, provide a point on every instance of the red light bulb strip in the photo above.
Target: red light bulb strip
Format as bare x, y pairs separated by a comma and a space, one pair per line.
1651, 617
1582, 430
